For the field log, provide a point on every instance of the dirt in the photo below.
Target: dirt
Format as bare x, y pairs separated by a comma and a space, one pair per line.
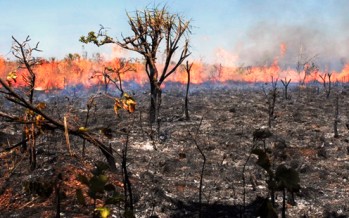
164, 161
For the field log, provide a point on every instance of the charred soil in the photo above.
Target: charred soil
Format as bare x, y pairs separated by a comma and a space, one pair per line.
164, 163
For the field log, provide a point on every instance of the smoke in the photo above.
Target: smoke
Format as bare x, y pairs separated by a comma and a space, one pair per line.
113, 51
225, 58
261, 44
307, 28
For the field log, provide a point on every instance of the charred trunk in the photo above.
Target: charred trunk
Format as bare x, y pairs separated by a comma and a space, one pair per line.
336, 119
186, 101
155, 101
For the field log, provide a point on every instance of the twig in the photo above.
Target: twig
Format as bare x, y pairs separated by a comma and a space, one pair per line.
203, 165
244, 179
66, 134
51, 123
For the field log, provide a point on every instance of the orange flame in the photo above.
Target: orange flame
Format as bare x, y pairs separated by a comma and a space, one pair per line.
58, 74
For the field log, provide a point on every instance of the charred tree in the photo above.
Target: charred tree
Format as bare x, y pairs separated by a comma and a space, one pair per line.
271, 100
186, 100
336, 114
90, 103
327, 85
152, 30
271, 106
324, 84
285, 83
23, 52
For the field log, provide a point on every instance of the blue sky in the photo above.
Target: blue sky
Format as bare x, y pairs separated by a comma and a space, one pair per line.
237, 31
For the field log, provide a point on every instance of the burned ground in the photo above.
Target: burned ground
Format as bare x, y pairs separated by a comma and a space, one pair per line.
164, 163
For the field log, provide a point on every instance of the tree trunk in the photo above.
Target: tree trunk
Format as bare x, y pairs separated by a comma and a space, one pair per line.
186, 109
155, 101
336, 114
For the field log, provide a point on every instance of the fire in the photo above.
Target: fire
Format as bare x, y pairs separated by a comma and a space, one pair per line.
283, 49
58, 74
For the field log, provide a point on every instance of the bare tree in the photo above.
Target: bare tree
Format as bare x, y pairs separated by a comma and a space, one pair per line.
306, 65
285, 83
271, 100
327, 85
186, 101
154, 32
24, 54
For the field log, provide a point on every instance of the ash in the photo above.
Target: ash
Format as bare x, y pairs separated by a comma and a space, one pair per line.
163, 160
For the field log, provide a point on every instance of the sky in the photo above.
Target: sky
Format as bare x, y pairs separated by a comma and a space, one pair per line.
231, 32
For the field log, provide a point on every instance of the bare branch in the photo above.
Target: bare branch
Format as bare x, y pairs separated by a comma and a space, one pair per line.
51, 123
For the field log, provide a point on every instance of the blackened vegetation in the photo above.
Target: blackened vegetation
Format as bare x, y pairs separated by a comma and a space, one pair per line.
195, 171
186, 100
24, 54
199, 167
286, 83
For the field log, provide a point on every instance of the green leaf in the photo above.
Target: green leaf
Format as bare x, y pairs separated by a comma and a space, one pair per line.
80, 197
82, 39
